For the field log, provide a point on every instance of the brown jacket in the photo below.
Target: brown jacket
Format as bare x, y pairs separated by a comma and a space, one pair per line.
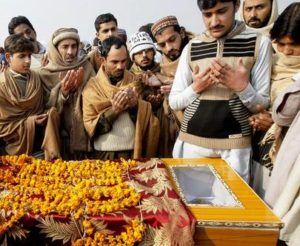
96, 100
17, 117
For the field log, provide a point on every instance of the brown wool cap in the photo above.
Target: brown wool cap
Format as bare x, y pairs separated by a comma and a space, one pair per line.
65, 33
164, 22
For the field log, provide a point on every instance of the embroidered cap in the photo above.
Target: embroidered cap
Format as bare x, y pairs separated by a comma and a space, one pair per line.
163, 23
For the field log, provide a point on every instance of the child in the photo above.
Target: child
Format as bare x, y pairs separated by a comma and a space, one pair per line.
24, 126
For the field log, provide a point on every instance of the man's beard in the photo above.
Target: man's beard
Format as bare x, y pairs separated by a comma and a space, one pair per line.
259, 23
70, 59
173, 55
115, 79
148, 67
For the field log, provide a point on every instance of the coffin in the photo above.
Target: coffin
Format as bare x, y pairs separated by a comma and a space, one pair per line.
227, 210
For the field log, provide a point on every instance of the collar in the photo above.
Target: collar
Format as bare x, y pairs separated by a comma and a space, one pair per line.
18, 75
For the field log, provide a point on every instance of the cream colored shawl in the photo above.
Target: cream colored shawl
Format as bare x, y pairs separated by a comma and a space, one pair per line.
96, 100
283, 70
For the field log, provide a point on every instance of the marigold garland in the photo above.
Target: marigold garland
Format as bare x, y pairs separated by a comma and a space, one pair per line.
76, 189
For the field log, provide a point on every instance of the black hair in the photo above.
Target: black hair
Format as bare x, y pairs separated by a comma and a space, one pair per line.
16, 21
109, 42
207, 4
287, 24
17, 43
186, 38
178, 29
104, 18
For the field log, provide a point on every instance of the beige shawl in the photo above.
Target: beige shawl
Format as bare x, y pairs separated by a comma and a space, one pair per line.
168, 119
96, 100
168, 68
17, 122
72, 109
56, 64
283, 70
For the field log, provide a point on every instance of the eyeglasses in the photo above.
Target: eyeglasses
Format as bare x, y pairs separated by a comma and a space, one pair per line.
146, 51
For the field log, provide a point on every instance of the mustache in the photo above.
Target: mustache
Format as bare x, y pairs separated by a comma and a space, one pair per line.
70, 56
254, 19
217, 27
145, 60
173, 51
120, 71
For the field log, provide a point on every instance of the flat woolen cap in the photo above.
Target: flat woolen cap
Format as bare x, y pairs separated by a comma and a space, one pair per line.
139, 41
65, 33
163, 23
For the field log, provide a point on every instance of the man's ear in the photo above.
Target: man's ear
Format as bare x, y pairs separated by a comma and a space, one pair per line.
8, 57
182, 32
237, 6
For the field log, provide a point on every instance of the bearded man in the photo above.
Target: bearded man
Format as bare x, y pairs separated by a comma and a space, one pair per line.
259, 14
118, 122
65, 77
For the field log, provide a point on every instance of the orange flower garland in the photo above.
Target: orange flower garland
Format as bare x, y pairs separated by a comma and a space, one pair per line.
76, 189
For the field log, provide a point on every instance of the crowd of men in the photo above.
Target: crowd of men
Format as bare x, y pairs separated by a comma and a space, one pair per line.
163, 92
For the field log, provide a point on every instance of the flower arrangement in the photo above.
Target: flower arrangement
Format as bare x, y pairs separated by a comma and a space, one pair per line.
74, 189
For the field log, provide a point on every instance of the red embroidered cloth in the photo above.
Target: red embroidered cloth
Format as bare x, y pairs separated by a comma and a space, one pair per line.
167, 220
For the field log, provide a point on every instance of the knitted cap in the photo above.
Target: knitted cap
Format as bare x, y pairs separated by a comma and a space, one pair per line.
163, 23
138, 42
65, 33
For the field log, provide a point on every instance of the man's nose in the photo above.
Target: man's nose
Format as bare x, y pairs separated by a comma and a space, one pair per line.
215, 20
121, 65
169, 47
28, 59
110, 33
69, 50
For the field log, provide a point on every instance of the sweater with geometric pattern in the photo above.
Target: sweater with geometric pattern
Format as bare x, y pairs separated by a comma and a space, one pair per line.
218, 118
